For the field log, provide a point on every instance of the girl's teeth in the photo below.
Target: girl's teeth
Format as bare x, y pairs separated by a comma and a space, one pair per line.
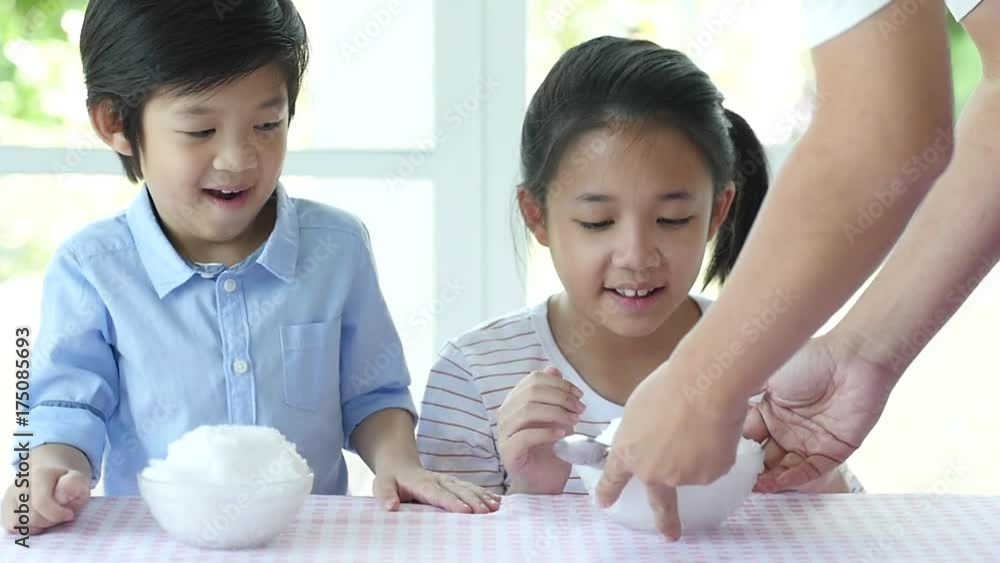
634, 292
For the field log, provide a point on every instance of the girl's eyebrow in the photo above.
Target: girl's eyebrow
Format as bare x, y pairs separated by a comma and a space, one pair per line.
605, 198
199, 110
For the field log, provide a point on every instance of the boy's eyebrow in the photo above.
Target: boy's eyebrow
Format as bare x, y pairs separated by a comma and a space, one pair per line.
198, 110
604, 198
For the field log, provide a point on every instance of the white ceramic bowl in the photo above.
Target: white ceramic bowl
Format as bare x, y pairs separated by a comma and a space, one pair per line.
225, 516
699, 506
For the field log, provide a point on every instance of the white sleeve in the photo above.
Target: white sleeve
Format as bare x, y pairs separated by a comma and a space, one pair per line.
822, 20
455, 435
961, 8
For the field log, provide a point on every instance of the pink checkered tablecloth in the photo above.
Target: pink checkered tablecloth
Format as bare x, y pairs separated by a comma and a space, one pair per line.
539, 529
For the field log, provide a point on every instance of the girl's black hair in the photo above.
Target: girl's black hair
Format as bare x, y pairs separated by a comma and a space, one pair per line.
130, 48
611, 82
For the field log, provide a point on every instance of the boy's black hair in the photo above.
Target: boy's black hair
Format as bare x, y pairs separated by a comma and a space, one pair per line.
132, 48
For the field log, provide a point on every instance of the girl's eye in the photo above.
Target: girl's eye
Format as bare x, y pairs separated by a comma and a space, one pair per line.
674, 222
200, 134
269, 126
595, 226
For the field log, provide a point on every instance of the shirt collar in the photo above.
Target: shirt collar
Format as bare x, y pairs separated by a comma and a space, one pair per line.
281, 251
168, 270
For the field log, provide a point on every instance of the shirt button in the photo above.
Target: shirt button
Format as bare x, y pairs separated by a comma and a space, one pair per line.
240, 367
229, 285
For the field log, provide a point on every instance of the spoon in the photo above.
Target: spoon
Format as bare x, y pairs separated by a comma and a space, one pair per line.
578, 449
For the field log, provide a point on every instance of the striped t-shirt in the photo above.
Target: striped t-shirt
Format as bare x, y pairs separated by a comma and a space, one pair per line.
472, 377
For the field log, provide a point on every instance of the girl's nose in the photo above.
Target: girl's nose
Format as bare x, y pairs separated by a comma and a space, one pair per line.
637, 251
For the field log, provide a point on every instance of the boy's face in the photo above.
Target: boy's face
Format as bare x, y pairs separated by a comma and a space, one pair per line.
212, 160
627, 224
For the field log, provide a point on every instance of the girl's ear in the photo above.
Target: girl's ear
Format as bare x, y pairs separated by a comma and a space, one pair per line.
721, 205
109, 127
533, 214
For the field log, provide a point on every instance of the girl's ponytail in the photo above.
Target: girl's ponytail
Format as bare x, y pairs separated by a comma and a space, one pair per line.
751, 179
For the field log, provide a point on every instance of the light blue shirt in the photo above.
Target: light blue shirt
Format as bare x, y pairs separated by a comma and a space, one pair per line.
137, 347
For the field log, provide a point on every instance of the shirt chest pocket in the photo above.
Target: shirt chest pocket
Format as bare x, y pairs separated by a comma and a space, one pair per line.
310, 357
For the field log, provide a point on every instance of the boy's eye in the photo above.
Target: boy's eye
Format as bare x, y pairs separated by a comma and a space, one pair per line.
595, 226
200, 134
269, 126
674, 222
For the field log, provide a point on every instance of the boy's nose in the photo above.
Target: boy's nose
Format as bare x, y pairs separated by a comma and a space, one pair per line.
236, 156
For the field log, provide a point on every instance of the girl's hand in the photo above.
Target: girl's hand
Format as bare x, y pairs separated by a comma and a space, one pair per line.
413, 483
540, 410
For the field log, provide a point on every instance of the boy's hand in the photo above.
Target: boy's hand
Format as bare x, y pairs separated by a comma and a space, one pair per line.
540, 410
57, 495
414, 483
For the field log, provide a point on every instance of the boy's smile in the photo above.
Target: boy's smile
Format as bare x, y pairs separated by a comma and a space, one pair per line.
212, 161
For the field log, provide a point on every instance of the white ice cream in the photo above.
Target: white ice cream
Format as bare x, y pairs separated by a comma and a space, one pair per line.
227, 487
229, 455
699, 507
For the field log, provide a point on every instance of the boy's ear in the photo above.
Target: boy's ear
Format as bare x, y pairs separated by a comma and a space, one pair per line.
721, 206
533, 214
109, 127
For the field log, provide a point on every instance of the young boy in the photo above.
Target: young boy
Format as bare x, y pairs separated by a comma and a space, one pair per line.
216, 298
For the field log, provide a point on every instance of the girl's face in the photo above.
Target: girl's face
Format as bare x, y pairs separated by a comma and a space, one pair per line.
629, 214
212, 160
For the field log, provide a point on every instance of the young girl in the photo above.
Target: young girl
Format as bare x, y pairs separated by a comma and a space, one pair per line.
631, 166
216, 298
